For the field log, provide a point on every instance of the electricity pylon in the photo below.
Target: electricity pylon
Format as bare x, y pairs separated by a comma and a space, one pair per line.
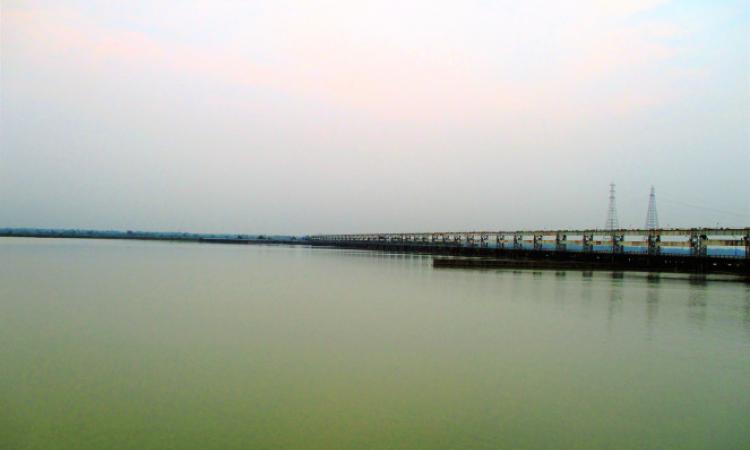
652, 219
612, 211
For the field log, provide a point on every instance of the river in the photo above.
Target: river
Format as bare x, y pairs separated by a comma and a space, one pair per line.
157, 345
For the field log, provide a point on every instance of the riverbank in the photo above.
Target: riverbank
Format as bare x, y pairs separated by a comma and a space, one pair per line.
212, 238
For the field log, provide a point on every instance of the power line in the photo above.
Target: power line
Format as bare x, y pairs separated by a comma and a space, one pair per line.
706, 208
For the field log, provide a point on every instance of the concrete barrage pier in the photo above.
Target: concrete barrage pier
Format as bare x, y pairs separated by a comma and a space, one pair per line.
694, 250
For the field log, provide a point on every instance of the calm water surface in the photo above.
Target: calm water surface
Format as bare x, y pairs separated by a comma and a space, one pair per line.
148, 345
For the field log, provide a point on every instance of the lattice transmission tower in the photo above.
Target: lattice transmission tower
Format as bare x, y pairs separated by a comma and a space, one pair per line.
612, 223
652, 219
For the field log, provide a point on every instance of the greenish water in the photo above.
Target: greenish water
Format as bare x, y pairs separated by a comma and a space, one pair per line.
148, 345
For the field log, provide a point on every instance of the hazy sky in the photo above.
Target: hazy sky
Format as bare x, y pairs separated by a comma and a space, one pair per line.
348, 115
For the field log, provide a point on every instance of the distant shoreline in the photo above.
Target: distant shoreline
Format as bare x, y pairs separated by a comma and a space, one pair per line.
153, 236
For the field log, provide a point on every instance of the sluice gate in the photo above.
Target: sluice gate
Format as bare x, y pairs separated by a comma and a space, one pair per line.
701, 250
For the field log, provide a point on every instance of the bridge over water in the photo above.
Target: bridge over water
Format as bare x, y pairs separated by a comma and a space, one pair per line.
684, 250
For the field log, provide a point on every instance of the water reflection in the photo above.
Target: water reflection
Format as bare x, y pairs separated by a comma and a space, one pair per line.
652, 304
586, 294
561, 289
614, 306
697, 303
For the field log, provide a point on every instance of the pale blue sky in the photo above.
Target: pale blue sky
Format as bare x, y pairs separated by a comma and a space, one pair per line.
328, 116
